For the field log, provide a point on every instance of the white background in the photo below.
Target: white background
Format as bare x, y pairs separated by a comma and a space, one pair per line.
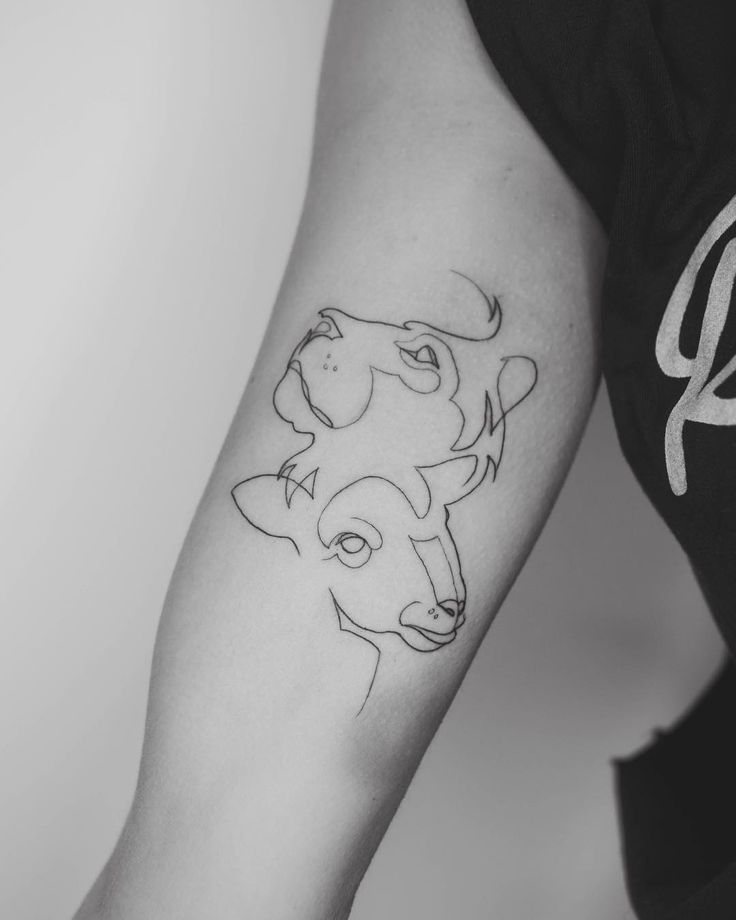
152, 163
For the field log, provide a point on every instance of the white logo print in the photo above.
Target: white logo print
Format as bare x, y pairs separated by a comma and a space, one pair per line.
699, 402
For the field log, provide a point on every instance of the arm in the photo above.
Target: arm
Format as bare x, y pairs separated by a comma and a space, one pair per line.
421, 389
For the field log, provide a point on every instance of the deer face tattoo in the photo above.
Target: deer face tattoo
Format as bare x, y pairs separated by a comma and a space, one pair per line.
399, 431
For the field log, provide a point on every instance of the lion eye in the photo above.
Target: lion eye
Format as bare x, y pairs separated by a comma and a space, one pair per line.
424, 355
352, 550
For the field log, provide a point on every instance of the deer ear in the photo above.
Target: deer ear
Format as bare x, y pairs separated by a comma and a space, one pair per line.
275, 505
451, 480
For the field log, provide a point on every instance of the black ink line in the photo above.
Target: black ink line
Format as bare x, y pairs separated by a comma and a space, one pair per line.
495, 314
340, 612
301, 521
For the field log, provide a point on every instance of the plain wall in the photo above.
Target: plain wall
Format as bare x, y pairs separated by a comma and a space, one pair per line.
153, 160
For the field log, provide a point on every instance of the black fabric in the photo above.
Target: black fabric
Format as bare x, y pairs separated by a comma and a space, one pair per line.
637, 101
677, 823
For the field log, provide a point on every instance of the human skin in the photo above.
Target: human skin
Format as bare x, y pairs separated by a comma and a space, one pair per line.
268, 775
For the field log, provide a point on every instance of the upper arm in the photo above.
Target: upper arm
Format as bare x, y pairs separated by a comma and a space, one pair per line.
434, 217
423, 382
432, 201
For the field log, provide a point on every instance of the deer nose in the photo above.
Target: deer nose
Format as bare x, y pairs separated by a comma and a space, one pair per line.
445, 616
454, 609
450, 606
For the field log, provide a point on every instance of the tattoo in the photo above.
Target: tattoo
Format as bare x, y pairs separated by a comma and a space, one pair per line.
399, 431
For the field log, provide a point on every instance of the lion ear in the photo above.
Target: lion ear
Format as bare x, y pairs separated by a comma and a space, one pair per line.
451, 480
516, 381
275, 505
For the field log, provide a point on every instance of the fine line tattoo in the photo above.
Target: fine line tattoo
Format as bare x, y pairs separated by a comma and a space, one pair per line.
399, 431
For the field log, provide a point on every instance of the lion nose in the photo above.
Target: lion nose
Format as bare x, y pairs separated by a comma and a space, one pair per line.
325, 327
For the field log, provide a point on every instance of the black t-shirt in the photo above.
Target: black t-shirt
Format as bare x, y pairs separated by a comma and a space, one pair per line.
637, 101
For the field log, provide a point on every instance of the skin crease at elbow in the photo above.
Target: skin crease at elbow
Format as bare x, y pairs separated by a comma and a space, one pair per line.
399, 432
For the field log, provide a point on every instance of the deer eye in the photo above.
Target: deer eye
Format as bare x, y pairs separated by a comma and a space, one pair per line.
352, 550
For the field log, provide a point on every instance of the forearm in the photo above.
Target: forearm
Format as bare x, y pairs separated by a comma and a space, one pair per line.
294, 692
